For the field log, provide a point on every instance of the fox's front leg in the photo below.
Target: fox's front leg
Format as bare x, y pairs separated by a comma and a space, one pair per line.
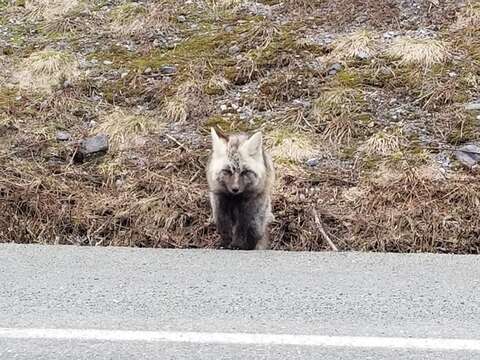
224, 224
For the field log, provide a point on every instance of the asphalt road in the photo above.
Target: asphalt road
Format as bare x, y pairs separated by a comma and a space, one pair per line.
266, 293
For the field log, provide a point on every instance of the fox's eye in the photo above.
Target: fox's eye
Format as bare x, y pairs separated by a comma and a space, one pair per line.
245, 172
226, 172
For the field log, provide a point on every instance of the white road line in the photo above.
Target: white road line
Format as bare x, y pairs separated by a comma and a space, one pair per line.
244, 339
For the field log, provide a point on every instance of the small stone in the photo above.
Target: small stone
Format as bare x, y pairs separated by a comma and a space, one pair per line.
107, 62
235, 49
363, 55
452, 74
223, 107
312, 162
336, 66
124, 75
94, 144
63, 136
181, 18
468, 155
478, 117
147, 71
473, 106
168, 70
332, 70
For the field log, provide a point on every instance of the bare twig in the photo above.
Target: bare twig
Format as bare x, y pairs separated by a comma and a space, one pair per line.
322, 231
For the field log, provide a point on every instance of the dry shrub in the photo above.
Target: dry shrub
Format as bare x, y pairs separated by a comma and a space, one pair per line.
297, 193
162, 202
413, 212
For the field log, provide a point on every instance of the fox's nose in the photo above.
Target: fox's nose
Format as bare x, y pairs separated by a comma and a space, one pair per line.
235, 189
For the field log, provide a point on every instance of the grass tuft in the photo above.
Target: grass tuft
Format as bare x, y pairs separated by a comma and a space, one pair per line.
44, 70
126, 130
358, 45
423, 52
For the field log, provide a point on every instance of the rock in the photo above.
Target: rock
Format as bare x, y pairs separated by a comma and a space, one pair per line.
362, 55
235, 49
473, 106
336, 66
168, 70
181, 18
94, 144
147, 71
312, 162
107, 62
468, 155
332, 70
63, 136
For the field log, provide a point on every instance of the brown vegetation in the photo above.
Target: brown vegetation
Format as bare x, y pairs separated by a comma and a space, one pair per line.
361, 104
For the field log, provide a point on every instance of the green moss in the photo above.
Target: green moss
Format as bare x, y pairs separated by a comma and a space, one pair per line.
212, 89
233, 124
198, 47
348, 78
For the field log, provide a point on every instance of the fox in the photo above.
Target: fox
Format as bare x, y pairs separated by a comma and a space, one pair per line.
240, 176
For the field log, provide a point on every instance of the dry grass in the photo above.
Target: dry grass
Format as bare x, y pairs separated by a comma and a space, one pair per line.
469, 18
186, 100
358, 45
52, 9
47, 69
217, 7
291, 146
138, 19
422, 52
383, 143
337, 111
413, 212
260, 35
126, 130
373, 187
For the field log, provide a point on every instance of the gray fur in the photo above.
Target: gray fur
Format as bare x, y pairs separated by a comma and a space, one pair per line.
242, 217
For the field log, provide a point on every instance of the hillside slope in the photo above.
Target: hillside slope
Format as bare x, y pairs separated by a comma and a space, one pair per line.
362, 103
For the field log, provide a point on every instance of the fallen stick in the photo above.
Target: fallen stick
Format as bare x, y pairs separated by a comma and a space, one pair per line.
322, 231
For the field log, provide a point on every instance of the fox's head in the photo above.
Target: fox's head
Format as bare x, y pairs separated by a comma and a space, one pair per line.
237, 165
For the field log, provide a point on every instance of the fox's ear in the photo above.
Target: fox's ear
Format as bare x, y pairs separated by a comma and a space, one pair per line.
254, 144
219, 145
